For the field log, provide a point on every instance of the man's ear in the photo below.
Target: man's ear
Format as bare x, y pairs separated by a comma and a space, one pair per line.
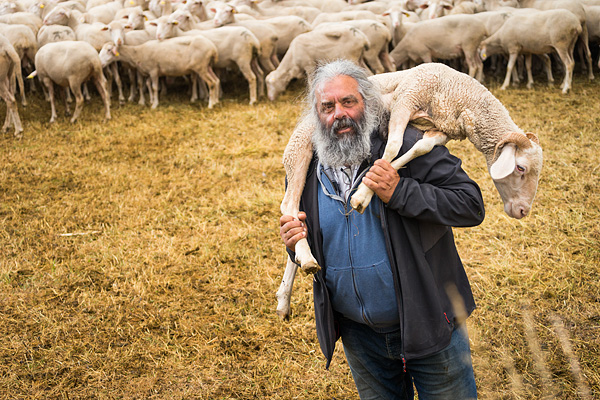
505, 164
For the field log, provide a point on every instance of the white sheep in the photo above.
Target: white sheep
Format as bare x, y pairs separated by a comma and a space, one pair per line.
377, 56
266, 34
447, 105
54, 33
10, 65
343, 16
445, 38
237, 47
178, 56
25, 44
104, 13
535, 32
577, 8
33, 21
70, 64
328, 43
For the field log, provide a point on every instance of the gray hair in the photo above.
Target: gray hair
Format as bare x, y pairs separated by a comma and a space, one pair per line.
347, 150
325, 72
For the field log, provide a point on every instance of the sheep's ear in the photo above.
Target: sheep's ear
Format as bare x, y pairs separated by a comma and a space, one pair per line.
505, 164
334, 35
104, 28
386, 13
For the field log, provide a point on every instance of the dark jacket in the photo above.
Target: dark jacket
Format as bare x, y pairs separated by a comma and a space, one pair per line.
433, 194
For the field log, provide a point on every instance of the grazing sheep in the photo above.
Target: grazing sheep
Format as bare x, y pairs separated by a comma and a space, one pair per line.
427, 97
10, 65
377, 56
70, 64
577, 8
536, 32
445, 38
287, 27
178, 56
328, 43
266, 34
237, 47
26, 18
25, 44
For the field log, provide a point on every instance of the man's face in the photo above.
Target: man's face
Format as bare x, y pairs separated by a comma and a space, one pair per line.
340, 106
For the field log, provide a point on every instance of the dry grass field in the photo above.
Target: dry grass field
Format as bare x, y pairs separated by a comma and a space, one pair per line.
140, 257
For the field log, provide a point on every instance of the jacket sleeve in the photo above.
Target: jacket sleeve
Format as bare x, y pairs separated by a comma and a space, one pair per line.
434, 188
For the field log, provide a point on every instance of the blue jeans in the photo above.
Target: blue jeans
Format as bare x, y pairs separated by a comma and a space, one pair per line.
376, 363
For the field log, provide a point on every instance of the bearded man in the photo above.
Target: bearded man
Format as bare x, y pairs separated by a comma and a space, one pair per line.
391, 275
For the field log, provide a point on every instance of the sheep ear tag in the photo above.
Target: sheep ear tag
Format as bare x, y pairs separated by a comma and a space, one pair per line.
505, 164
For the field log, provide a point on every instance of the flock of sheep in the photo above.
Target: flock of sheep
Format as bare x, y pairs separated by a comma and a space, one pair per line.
270, 42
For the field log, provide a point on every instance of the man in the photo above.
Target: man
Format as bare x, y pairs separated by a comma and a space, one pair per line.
389, 276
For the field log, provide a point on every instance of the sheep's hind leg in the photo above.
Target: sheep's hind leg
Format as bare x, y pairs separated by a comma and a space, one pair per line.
296, 159
76, 89
101, 86
284, 293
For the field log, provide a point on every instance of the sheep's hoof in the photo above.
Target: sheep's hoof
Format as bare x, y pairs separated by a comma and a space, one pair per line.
311, 268
284, 315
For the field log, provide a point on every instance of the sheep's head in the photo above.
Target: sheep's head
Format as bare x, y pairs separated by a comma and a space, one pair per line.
516, 172
273, 88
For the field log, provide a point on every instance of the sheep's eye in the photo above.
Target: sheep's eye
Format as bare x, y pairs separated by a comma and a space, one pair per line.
520, 169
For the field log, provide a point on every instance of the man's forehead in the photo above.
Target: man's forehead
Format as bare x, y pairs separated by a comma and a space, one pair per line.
340, 86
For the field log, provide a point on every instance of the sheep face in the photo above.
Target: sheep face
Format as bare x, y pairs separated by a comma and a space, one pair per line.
515, 174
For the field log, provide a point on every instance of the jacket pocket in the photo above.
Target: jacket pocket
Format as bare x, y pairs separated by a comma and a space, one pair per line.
375, 286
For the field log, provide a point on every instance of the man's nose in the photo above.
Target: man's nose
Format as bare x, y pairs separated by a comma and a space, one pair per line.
339, 111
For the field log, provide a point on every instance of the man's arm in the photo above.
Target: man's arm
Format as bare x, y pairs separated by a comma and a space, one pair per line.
436, 189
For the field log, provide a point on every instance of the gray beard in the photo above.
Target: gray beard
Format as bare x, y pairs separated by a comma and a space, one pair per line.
348, 149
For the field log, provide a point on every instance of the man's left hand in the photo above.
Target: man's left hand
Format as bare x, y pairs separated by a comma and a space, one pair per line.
382, 178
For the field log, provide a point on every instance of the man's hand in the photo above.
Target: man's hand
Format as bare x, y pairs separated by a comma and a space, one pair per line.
382, 178
292, 229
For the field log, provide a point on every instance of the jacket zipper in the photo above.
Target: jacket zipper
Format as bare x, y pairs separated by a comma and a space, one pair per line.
388, 245
349, 233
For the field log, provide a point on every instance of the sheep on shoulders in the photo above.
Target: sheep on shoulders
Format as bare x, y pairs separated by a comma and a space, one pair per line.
447, 105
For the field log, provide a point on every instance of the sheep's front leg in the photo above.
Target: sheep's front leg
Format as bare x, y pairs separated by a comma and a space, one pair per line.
423, 146
399, 118
296, 159
284, 293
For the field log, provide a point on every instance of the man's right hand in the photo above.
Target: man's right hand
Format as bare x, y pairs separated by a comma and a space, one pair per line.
292, 229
